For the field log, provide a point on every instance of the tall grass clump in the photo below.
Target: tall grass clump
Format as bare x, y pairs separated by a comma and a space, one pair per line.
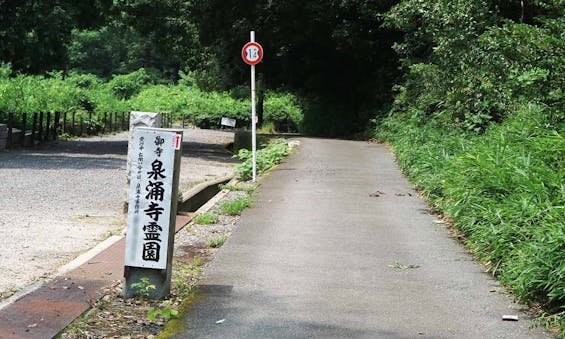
478, 125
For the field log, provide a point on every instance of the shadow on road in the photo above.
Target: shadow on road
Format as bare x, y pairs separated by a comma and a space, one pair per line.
98, 154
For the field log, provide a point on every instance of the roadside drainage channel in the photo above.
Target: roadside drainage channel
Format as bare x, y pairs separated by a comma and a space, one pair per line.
45, 309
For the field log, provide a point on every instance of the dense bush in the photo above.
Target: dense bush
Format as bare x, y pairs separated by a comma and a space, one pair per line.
84, 93
283, 110
478, 126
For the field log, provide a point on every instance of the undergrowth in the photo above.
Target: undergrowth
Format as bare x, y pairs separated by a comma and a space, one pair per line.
503, 189
270, 155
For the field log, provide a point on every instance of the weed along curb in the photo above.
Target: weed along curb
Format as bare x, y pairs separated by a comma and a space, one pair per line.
47, 309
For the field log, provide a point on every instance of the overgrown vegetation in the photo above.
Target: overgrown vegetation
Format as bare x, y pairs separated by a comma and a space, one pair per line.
477, 121
478, 126
268, 156
333, 54
85, 94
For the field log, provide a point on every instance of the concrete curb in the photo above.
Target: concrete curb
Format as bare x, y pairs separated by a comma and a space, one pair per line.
197, 196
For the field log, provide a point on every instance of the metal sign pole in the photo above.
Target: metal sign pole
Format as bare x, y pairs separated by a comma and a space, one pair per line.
253, 129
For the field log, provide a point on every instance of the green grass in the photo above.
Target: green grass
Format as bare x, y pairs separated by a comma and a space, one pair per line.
503, 189
268, 156
206, 219
217, 242
235, 206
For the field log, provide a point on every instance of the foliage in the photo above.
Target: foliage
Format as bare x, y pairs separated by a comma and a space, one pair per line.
478, 125
206, 219
330, 52
333, 54
503, 189
143, 287
268, 156
217, 242
139, 90
111, 49
235, 206
165, 313
283, 110
462, 66
128, 85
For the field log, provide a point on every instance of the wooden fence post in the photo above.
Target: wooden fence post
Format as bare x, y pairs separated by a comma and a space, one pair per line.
105, 123
56, 124
47, 129
24, 122
10, 126
73, 130
33, 129
40, 132
91, 129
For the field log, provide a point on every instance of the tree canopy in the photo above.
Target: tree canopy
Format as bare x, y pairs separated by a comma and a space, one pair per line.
342, 57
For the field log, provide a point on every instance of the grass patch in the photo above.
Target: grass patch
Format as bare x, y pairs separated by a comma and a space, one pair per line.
217, 242
206, 219
235, 206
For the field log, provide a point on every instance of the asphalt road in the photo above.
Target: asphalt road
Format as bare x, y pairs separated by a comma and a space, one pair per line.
340, 246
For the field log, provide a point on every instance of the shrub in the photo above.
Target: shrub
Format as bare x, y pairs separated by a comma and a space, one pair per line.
283, 110
267, 157
128, 85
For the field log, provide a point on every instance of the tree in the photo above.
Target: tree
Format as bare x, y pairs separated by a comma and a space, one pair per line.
333, 52
34, 34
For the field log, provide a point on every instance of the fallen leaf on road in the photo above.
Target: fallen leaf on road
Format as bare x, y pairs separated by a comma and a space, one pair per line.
400, 266
377, 194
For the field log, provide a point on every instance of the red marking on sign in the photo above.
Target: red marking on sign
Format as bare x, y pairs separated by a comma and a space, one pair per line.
177, 141
252, 53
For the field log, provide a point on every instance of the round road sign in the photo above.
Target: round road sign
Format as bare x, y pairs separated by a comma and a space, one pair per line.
252, 53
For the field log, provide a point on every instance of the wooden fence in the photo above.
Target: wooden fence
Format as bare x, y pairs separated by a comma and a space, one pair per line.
35, 128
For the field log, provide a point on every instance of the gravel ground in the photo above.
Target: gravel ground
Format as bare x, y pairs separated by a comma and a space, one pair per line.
62, 198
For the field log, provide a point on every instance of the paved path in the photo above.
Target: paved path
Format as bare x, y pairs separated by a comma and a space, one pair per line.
319, 257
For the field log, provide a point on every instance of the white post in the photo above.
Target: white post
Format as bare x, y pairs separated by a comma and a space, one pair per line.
253, 130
